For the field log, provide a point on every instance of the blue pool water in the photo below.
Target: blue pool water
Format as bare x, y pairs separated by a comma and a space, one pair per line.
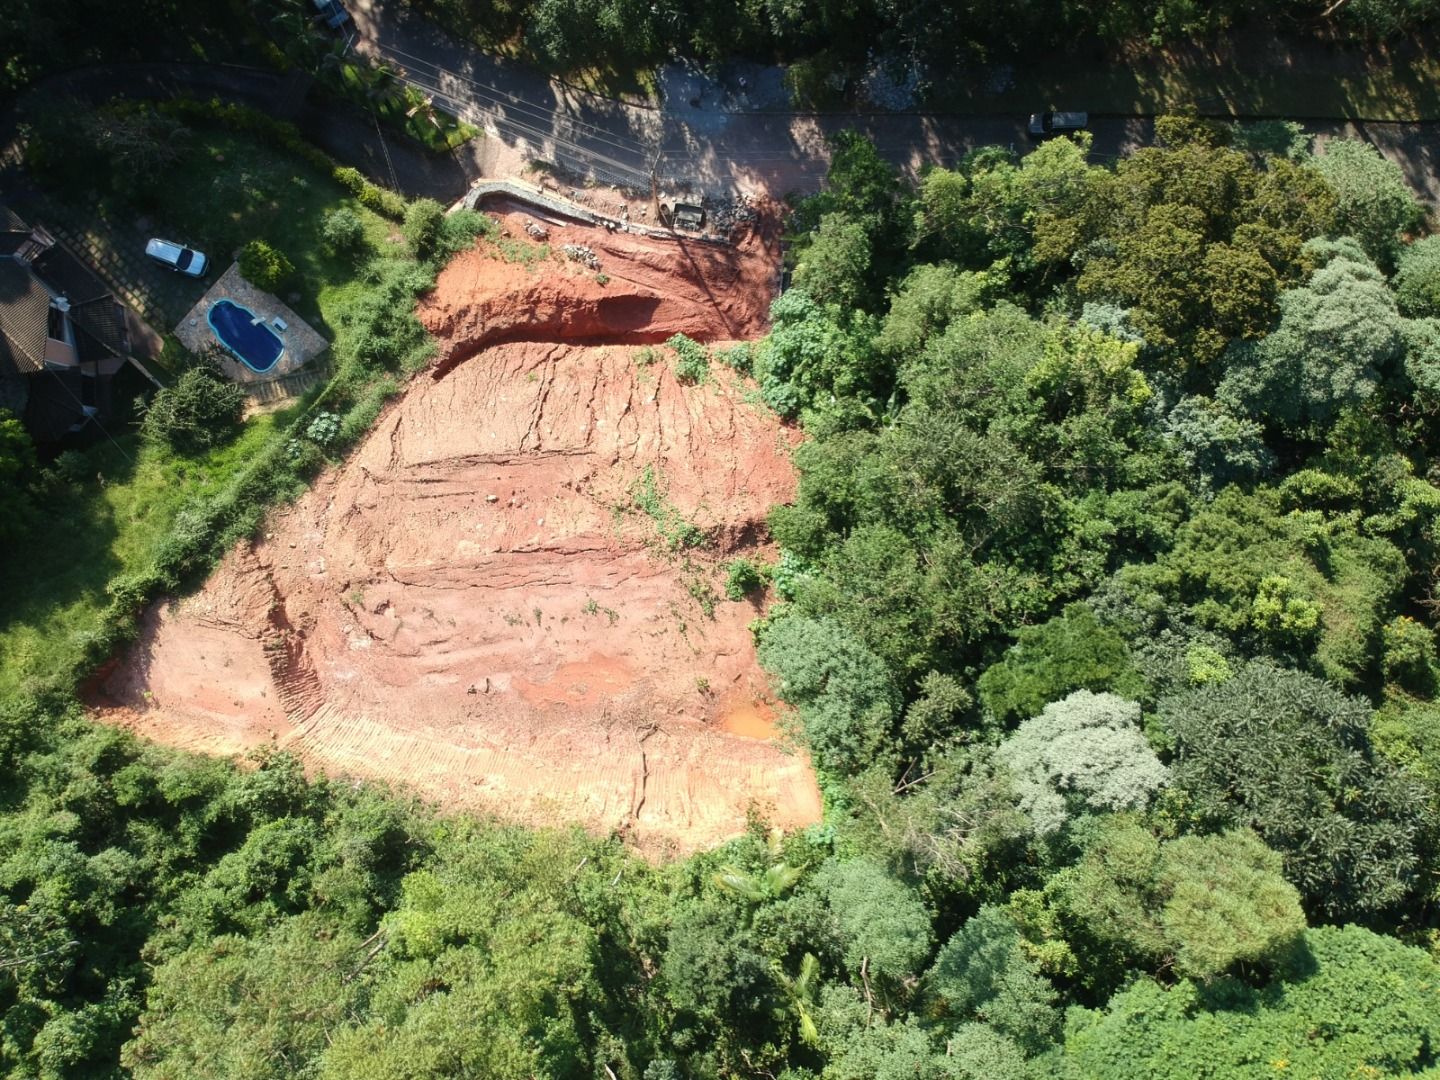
241, 332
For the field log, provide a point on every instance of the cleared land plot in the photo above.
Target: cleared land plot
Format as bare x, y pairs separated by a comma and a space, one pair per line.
509, 598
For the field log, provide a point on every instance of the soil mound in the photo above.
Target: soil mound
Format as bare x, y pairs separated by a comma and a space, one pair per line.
498, 600
611, 287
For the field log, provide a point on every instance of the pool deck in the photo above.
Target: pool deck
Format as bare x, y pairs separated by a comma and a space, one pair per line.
302, 343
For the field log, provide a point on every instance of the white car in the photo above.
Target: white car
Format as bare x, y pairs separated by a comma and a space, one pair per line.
1053, 123
177, 256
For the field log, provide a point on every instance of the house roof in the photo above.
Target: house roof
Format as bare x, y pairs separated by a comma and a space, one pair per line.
24, 317
99, 319
56, 404
100, 329
68, 276
13, 231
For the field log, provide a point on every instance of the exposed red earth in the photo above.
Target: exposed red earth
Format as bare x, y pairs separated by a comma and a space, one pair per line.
482, 603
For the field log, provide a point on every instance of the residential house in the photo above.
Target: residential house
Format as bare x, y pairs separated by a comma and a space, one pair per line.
63, 335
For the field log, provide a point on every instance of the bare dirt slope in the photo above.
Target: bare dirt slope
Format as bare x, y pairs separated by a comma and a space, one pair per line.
482, 603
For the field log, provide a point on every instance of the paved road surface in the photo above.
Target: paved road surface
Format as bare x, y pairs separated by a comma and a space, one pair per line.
721, 151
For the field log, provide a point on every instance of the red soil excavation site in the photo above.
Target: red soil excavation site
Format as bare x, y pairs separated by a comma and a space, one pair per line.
476, 605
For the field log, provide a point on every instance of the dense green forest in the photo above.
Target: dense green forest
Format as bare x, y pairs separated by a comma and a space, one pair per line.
1105, 610
826, 37
620, 39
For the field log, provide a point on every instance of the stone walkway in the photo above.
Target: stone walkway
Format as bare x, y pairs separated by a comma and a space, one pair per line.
117, 254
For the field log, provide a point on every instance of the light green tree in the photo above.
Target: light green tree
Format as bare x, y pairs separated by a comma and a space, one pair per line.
1373, 202
883, 928
834, 264
1352, 1003
1201, 904
1084, 753
1417, 278
1339, 334
845, 697
983, 973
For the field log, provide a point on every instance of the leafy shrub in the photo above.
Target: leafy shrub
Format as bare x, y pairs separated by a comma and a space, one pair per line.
382, 331
424, 223
459, 230
739, 357
323, 429
692, 360
362, 415
371, 196
264, 267
200, 411
344, 232
17, 466
742, 577
1409, 653
790, 570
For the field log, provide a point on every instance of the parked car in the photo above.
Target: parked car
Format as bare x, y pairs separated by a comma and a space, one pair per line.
177, 256
331, 13
1054, 123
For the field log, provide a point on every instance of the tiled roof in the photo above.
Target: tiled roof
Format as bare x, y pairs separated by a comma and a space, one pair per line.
13, 231
100, 329
24, 316
68, 276
9, 220
99, 320
56, 404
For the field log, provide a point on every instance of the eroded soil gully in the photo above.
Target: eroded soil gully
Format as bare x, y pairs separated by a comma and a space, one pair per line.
475, 606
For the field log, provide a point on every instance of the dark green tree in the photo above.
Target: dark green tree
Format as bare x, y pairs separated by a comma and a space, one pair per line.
1287, 755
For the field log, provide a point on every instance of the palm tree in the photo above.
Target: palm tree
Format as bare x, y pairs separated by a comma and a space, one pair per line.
426, 110
760, 888
800, 991
778, 879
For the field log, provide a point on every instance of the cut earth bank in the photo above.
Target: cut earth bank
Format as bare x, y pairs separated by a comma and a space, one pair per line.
484, 602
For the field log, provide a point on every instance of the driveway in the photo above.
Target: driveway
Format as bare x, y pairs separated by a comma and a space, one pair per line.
722, 151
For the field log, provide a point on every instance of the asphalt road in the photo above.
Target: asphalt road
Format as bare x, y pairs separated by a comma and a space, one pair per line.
723, 151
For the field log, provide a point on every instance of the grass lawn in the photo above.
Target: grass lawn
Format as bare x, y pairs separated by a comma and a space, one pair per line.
1242, 75
233, 189
402, 108
106, 524
229, 189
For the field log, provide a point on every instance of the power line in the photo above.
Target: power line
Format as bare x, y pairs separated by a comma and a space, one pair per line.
96, 418
498, 96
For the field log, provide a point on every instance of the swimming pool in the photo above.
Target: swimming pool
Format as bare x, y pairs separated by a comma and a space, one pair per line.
245, 335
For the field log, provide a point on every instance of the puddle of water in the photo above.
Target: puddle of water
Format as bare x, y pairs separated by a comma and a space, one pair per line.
751, 720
